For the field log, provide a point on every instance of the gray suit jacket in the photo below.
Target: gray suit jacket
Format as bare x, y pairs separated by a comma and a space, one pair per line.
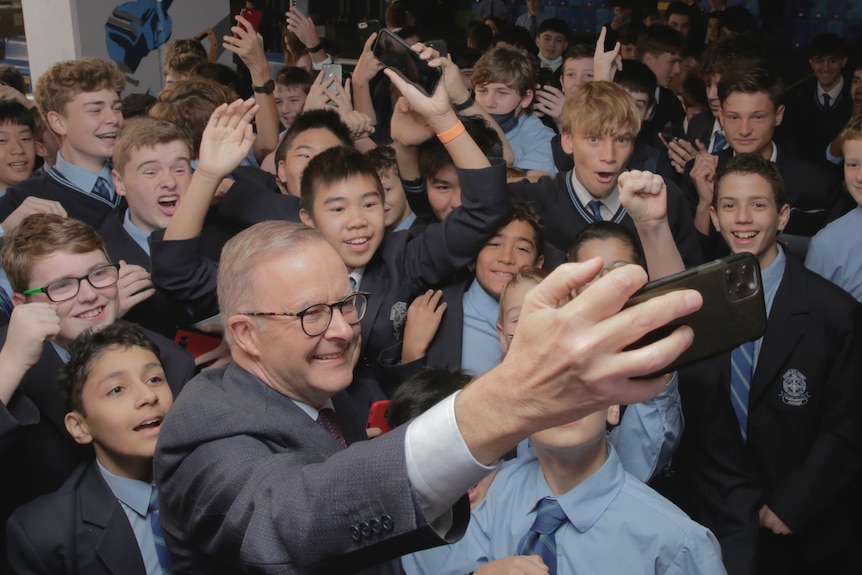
249, 482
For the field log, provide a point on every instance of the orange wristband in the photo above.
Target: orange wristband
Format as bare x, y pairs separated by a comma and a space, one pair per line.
451, 133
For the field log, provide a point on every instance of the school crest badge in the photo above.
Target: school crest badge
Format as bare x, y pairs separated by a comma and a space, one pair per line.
398, 315
794, 390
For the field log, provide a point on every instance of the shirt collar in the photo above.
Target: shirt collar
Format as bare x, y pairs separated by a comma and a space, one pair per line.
136, 233
405, 225
83, 179
486, 306
312, 412
552, 64
62, 352
357, 274
585, 504
611, 202
133, 492
833, 93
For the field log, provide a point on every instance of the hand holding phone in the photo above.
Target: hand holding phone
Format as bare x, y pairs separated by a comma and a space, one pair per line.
733, 311
253, 16
394, 53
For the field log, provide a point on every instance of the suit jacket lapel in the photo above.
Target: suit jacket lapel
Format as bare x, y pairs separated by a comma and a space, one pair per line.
371, 283
107, 526
784, 328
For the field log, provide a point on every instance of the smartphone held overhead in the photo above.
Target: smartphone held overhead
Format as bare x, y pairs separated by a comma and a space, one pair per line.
733, 311
394, 53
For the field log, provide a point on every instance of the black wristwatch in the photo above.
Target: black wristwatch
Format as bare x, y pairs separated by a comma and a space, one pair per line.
267, 88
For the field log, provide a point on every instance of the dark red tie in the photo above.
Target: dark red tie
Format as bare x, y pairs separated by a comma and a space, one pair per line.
326, 419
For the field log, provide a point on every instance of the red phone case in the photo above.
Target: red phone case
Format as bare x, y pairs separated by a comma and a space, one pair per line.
377, 415
253, 16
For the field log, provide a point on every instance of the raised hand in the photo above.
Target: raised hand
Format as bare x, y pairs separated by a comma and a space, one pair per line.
423, 320
134, 286
606, 64
227, 138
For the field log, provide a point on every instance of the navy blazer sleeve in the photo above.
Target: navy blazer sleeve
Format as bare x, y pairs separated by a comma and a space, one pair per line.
183, 274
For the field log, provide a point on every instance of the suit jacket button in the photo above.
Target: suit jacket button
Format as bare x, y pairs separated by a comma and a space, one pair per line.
387, 523
376, 528
354, 533
364, 529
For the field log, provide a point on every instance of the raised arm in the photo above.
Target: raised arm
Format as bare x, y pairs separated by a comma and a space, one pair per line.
248, 45
226, 140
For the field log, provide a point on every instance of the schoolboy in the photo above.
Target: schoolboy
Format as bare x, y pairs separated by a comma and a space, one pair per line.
64, 284
152, 170
504, 81
103, 516
751, 109
662, 49
467, 336
833, 252
818, 109
17, 147
80, 100
796, 425
291, 88
577, 67
552, 40
396, 210
577, 487
600, 123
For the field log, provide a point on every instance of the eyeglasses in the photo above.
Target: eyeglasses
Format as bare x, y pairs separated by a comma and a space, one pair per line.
67, 288
315, 319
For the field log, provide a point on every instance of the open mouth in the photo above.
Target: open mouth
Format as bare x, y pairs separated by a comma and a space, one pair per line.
169, 202
744, 236
91, 314
605, 177
19, 166
150, 424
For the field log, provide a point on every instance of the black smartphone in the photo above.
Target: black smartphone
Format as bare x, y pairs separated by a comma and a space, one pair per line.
367, 28
733, 311
546, 76
394, 53
439, 45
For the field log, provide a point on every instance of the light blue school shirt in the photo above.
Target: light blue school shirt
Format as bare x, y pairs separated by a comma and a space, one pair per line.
531, 145
480, 344
82, 179
134, 498
616, 524
836, 252
136, 233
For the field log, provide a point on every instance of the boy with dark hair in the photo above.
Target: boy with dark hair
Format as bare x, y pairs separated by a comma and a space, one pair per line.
504, 82
80, 100
116, 396
64, 285
17, 148
794, 394
552, 40
662, 49
818, 109
751, 109
677, 15
291, 88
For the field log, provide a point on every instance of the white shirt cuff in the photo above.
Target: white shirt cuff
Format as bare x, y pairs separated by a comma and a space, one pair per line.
439, 463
